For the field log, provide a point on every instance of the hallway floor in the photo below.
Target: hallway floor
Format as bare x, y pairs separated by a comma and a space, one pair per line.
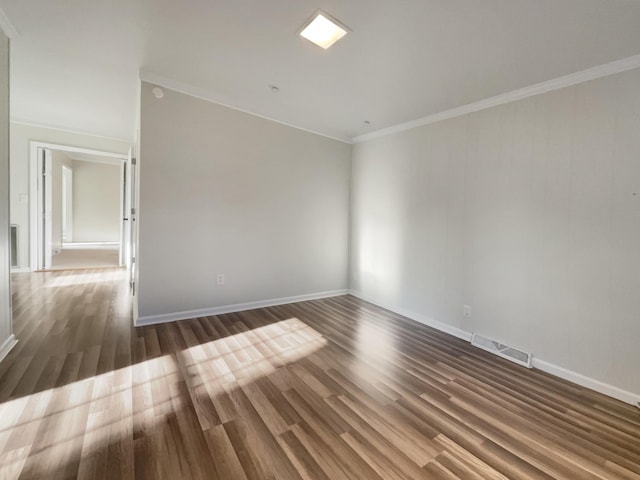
86, 257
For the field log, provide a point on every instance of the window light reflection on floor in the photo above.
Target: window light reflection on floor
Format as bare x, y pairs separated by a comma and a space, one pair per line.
91, 415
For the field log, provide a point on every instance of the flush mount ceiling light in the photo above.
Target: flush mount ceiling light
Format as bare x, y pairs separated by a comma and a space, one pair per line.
323, 30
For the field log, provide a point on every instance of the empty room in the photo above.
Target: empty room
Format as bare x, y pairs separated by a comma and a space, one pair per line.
320, 241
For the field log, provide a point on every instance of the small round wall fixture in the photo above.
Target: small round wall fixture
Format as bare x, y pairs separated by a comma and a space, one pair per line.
157, 92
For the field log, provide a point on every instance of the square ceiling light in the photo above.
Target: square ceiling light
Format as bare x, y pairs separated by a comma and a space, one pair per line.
323, 30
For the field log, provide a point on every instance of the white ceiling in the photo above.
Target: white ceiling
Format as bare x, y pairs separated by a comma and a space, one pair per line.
76, 63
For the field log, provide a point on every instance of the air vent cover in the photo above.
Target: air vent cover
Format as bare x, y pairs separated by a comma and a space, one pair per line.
502, 350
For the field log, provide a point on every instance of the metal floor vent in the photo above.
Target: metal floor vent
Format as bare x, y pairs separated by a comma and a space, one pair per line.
502, 350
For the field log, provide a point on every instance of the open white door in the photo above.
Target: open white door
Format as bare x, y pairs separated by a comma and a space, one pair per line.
133, 230
125, 231
45, 207
67, 204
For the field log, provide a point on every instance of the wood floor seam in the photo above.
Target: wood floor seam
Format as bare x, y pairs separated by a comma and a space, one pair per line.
334, 389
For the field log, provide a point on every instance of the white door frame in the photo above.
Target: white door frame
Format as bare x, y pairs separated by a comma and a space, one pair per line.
67, 203
35, 213
44, 174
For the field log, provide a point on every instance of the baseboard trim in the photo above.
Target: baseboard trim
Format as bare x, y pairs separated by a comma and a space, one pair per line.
555, 370
6, 347
239, 307
20, 270
587, 382
97, 245
443, 327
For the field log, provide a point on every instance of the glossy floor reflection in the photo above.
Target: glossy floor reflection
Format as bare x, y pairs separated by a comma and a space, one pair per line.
326, 389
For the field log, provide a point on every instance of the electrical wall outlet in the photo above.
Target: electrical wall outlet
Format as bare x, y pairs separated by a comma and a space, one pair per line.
466, 311
220, 279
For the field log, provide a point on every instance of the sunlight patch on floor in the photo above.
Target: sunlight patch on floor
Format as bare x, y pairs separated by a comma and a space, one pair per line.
45, 432
247, 356
73, 279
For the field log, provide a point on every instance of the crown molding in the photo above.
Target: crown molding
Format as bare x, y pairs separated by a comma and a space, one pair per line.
593, 73
48, 126
218, 99
7, 26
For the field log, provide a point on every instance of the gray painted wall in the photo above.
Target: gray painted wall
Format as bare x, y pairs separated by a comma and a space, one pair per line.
528, 212
5, 287
226, 192
96, 202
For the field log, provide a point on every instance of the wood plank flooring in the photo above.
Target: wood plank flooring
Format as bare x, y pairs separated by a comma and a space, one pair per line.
86, 257
327, 389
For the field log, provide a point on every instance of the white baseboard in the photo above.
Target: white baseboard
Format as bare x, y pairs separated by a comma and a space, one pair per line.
21, 270
443, 327
239, 307
94, 245
569, 375
6, 347
584, 381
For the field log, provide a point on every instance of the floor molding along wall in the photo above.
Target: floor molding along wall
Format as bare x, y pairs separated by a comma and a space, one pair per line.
591, 383
20, 270
239, 307
6, 347
92, 245
555, 370
443, 327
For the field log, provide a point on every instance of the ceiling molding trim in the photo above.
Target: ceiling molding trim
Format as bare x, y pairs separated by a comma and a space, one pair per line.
31, 123
7, 26
593, 73
213, 97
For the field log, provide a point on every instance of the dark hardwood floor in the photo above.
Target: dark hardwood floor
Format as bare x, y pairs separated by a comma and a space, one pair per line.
327, 389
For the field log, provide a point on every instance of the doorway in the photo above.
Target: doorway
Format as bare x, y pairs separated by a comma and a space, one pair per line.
79, 217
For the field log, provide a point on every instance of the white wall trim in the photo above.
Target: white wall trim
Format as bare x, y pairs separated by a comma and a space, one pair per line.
6, 347
88, 151
88, 244
555, 370
443, 327
593, 73
21, 270
34, 214
239, 307
48, 126
7, 26
584, 381
213, 97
